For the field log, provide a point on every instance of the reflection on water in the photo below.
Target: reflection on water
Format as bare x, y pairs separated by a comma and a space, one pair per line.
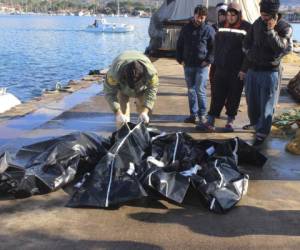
296, 33
38, 51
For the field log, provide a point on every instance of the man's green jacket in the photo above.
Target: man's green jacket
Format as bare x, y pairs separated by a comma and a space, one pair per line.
147, 86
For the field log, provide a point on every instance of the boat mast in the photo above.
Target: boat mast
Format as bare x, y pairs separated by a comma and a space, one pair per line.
11, 4
118, 11
50, 5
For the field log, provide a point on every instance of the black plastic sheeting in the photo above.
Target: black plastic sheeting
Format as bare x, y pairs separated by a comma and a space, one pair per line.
114, 178
46, 166
133, 163
180, 164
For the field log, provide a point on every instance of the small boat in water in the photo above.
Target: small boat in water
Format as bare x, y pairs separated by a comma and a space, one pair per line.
101, 25
7, 100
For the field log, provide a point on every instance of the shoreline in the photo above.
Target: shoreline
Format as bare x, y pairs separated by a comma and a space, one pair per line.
51, 96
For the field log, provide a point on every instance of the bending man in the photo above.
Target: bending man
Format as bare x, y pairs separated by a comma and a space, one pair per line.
131, 75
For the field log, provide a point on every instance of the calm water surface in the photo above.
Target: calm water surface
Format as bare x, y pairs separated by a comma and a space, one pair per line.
296, 28
38, 51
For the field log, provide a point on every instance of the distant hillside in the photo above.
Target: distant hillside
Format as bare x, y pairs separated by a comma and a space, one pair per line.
93, 6
146, 2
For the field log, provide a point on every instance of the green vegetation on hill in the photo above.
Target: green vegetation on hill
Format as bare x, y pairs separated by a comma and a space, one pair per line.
95, 6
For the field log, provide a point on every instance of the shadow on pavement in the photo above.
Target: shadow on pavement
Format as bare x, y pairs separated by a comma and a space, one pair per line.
41, 240
244, 220
10, 205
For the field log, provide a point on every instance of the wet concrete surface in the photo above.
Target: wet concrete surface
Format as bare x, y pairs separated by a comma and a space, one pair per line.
14, 128
268, 217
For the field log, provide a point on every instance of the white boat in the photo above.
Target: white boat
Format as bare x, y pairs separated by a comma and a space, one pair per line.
296, 50
7, 100
101, 25
80, 13
87, 14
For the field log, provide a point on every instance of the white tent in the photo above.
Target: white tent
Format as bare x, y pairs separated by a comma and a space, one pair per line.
183, 9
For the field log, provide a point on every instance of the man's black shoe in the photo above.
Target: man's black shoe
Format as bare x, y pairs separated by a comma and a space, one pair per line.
190, 119
258, 141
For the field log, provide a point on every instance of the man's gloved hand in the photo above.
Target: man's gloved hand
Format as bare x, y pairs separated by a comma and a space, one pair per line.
144, 117
205, 64
121, 118
272, 22
242, 75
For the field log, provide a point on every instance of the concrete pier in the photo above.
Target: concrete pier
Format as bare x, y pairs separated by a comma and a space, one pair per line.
268, 217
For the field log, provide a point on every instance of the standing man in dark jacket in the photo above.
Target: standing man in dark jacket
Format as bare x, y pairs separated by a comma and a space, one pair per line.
230, 70
195, 52
268, 40
221, 10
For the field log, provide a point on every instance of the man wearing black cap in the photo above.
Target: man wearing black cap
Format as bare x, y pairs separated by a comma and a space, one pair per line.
131, 75
268, 40
221, 9
195, 52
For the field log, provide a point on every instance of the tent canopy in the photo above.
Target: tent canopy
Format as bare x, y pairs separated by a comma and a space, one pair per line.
184, 9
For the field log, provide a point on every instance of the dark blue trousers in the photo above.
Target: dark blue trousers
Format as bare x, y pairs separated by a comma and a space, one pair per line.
261, 89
